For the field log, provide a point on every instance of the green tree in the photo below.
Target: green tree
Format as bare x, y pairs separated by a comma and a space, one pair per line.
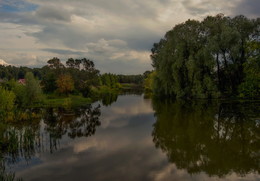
106, 80
88, 65
149, 81
49, 82
33, 89
7, 100
21, 94
70, 63
250, 87
55, 63
203, 59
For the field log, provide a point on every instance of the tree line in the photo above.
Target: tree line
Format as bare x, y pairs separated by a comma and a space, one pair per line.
76, 76
212, 58
81, 72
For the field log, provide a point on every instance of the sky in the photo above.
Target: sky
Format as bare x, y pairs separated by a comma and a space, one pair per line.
116, 34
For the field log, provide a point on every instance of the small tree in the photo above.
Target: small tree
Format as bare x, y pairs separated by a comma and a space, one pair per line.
33, 89
7, 99
65, 84
149, 82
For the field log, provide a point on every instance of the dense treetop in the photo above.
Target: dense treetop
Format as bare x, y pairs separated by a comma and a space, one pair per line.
216, 57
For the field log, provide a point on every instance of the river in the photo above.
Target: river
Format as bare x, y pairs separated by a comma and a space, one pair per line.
128, 137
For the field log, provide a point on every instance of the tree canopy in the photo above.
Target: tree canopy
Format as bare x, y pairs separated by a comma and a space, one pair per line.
208, 58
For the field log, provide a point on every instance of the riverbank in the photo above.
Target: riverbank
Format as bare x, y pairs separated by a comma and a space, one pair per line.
75, 100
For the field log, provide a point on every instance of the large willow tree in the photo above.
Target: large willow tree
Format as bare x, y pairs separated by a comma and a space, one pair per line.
205, 59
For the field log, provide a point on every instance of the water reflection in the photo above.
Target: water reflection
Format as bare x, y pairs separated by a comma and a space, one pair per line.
23, 140
194, 140
215, 138
108, 99
75, 123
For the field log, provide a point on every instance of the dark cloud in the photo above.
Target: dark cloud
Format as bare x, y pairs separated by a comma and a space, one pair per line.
9, 17
122, 66
65, 35
114, 33
195, 10
142, 38
248, 8
63, 52
20, 18
53, 13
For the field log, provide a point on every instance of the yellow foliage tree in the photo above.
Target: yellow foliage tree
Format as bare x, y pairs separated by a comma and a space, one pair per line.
65, 84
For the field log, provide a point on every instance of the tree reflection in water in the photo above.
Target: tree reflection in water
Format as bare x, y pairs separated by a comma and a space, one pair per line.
108, 99
75, 123
22, 140
215, 138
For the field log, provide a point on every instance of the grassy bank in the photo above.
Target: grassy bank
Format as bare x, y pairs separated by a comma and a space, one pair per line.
69, 101
55, 100
127, 86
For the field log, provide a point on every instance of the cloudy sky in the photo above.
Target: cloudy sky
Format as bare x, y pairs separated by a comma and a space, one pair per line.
116, 34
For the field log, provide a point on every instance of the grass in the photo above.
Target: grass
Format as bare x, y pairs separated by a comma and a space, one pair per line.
70, 101
105, 89
75, 100
131, 86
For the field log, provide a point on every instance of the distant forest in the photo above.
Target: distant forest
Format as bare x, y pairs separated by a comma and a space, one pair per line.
81, 73
217, 57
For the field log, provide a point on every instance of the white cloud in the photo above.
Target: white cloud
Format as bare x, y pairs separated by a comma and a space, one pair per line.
2, 62
112, 33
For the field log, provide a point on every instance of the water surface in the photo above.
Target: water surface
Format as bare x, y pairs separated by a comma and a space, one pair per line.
132, 138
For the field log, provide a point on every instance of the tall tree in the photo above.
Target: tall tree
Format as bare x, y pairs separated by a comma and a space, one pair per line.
203, 59
70, 63
7, 99
55, 63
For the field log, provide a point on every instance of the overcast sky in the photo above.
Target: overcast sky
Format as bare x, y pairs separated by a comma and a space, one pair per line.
116, 34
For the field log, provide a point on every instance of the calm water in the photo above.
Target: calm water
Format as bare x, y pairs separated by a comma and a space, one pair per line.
132, 138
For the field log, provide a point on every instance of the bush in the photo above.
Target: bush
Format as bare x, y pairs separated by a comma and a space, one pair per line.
7, 100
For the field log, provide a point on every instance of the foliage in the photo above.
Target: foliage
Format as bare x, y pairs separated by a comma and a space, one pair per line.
149, 82
20, 92
33, 89
250, 87
55, 63
135, 79
77, 76
12, 72
204, 59
49, 82
7, 100
68, 102
65, 84
109, 80
83, 73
